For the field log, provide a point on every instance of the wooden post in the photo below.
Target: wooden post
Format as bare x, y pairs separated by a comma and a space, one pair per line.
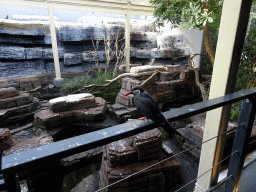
234, 20
54, 41
127, 40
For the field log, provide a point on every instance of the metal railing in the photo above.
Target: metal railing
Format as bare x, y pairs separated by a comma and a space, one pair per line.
29, 159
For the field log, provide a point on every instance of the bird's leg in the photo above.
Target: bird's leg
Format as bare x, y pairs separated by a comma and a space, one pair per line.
143, 118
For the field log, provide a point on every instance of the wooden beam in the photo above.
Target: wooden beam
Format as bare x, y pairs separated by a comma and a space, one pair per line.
54, 41
117, 7
127, 41
234, 20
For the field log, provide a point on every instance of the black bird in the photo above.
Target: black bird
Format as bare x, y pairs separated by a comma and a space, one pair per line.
148, 107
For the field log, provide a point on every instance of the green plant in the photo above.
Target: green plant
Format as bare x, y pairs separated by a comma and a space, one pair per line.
235, 110
109, 93
190, 14
246, 73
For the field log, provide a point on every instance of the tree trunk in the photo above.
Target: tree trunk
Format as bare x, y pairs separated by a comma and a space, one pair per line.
207, 44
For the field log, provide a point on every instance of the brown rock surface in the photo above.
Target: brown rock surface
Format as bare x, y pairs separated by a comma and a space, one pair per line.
24, 140
8, 92
47, 119
5, 139
72, 102
130, 155
15, 106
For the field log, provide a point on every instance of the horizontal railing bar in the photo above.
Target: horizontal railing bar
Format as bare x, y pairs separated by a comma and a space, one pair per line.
201, 107
33, 157
249, 163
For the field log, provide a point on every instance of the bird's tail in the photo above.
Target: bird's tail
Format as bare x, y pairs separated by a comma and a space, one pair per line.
170, 130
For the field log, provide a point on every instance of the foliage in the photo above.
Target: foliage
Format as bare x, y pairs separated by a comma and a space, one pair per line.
235, 110
109, 93
191, 14
246, 73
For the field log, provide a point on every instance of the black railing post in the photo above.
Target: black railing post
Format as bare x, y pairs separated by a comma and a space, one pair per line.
240, 144
12, 182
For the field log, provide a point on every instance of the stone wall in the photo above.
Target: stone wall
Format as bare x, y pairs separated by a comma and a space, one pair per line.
25, 46
171, 85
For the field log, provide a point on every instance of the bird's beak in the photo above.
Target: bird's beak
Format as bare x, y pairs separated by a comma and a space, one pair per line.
131, 92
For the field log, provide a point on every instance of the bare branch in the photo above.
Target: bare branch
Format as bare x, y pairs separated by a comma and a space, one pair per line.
191, 65
95, 53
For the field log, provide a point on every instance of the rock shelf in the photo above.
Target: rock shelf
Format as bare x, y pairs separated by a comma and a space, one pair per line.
72, 109
16, 105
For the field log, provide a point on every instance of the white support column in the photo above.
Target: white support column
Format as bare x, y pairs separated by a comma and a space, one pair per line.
127, 40
234, 20
54, 41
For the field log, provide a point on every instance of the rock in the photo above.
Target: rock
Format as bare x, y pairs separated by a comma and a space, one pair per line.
143, 53
46, 119
88, 184
127, 101
170, 53
148, 145
168, 76
18, 17
170, 42
75, 32
48, 54
138, 36
24, 144
16, 106
5, 139
72, 58
121, 152
114, 31
143, 26
158, 178
49, 91
51, 86
125, 157
99, 32
144, 44
24, 28
187, 75
109, 175
21, 99
89, 56
11, 52
72, 102
10, 69
26, 84
14, 114
36, 40
8, 92
34, 53
133, 52
82, 157
142, 147
165, 61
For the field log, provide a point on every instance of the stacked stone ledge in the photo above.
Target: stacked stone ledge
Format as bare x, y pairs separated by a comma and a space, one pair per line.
78, 108
168, 86
16, 105
24, 45
127, 156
